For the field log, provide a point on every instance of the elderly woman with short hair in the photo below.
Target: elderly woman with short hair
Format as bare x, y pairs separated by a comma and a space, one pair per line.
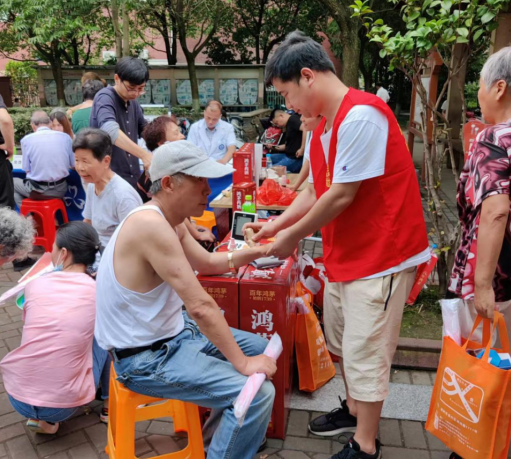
482, 270
16, 235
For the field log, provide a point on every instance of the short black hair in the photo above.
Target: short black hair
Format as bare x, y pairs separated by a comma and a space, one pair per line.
95, 140
379, 83
132, 70
80, 239
90, 88
297, 51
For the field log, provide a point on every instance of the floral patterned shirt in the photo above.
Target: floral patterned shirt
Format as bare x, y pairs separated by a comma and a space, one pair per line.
487, 172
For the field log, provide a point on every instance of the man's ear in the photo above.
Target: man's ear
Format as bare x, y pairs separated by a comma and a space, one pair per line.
308, 75
168, 184
501, 86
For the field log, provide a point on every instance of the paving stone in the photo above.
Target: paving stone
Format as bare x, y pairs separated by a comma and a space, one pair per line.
13, 343
97, 434
3, 352
11, 418
12, 431
78, 423
400, 377
13, 326
161, 428
413, 433
84, 451
390, 433
298, 423
141, 447
61, 444
9, 334
5, 404
21, 448
163, 444
321, 456
439, 455
3, 451
274, 443
142, 426
432, 376
434, 443
308, 444
405, 453
267, 452
59, 456
421, 378
293, 455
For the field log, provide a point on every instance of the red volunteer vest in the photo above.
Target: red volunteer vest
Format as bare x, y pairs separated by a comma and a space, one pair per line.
384, 225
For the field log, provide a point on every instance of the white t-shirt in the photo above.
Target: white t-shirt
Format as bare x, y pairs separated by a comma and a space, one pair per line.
383, 94
111, 207
361, 150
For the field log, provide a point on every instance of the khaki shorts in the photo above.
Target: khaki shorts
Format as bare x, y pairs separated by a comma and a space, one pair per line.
362, 323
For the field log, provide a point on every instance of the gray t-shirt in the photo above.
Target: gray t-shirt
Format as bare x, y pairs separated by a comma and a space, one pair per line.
111, 207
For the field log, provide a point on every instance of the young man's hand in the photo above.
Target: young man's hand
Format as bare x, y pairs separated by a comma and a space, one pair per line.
261, 230
284, 245
299, 152
146, 161
258, 364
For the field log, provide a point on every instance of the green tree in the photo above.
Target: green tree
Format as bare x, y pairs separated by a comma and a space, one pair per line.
23, 81
197, 19
454, 29
55, 31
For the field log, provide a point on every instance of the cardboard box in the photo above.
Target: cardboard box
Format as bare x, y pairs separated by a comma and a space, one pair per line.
243, 163
267, 306
239, 191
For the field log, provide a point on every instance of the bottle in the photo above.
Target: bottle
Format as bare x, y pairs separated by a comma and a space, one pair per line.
269, 164
248, 206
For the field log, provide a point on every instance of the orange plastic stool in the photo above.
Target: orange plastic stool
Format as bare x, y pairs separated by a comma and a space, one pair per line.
207, 219
44, 213
127, 407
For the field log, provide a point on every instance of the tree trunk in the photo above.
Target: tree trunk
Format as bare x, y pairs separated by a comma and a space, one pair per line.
117, 30
56, 68
168, 50
194, 82
350, 55
174, 41
125, 31
258, 49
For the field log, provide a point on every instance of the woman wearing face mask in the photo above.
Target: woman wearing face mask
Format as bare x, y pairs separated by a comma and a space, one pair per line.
58, 365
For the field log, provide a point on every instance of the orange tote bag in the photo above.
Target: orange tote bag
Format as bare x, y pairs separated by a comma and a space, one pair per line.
471, 403
315, 366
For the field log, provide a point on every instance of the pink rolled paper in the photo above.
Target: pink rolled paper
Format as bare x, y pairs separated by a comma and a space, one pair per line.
254, 382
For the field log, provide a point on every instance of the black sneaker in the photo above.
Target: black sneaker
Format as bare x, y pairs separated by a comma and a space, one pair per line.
23, 264
455, 456
263, 444
352, 451
334, 423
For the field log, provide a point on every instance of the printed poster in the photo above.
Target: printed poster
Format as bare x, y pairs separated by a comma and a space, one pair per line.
248, 91
229, 92
206, 91
183, 92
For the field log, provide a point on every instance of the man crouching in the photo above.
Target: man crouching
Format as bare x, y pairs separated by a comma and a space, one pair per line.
147, 273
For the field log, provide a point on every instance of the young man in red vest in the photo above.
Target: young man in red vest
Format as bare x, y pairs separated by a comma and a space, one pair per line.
363, 194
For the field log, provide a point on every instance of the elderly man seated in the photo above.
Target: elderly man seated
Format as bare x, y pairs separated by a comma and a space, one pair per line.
214, 135
147, 273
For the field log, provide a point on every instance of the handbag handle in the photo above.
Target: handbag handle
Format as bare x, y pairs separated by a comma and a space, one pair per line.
500, 324
486, 331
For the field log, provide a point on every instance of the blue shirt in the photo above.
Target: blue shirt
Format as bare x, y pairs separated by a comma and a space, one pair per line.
47, 155
214, 142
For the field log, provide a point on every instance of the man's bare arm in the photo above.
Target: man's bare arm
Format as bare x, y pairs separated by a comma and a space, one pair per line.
216, 263
164, 253
228, 155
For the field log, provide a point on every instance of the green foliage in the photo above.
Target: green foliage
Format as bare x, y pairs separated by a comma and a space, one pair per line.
23, 81
21, 119
431, 24
471, 90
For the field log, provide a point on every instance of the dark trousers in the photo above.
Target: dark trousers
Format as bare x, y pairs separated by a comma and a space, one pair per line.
6, 183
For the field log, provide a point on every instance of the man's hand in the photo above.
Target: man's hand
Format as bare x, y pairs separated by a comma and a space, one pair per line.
299, 152
261, 230
222, 161
205, 235
9, 153
146, 160
484, 302
258, 364
284, 245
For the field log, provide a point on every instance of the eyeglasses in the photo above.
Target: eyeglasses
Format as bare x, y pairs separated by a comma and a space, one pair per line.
139, 91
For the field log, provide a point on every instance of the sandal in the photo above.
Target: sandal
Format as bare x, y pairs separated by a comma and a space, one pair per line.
34, 426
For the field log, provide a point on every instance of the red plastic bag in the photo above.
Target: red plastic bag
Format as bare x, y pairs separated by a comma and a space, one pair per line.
270, 192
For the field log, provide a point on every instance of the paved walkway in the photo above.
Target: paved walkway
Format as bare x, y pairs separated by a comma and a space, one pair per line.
84, 437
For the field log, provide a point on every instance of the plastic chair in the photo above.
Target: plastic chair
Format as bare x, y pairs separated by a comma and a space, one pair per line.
207, 219
127, 407
44, 213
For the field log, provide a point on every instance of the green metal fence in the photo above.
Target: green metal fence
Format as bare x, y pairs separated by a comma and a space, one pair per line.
274, 99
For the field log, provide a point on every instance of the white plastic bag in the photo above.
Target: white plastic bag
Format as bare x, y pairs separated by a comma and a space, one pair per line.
451, 316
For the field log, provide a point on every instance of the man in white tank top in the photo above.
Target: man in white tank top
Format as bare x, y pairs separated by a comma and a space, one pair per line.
145, 276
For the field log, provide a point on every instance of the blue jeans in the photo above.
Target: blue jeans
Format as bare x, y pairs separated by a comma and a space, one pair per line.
293, 165
190, 368
101, 371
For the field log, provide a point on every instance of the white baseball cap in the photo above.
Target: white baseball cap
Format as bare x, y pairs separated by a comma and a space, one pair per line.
185, 157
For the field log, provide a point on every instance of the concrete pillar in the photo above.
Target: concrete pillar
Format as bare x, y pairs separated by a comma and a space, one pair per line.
501, 36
